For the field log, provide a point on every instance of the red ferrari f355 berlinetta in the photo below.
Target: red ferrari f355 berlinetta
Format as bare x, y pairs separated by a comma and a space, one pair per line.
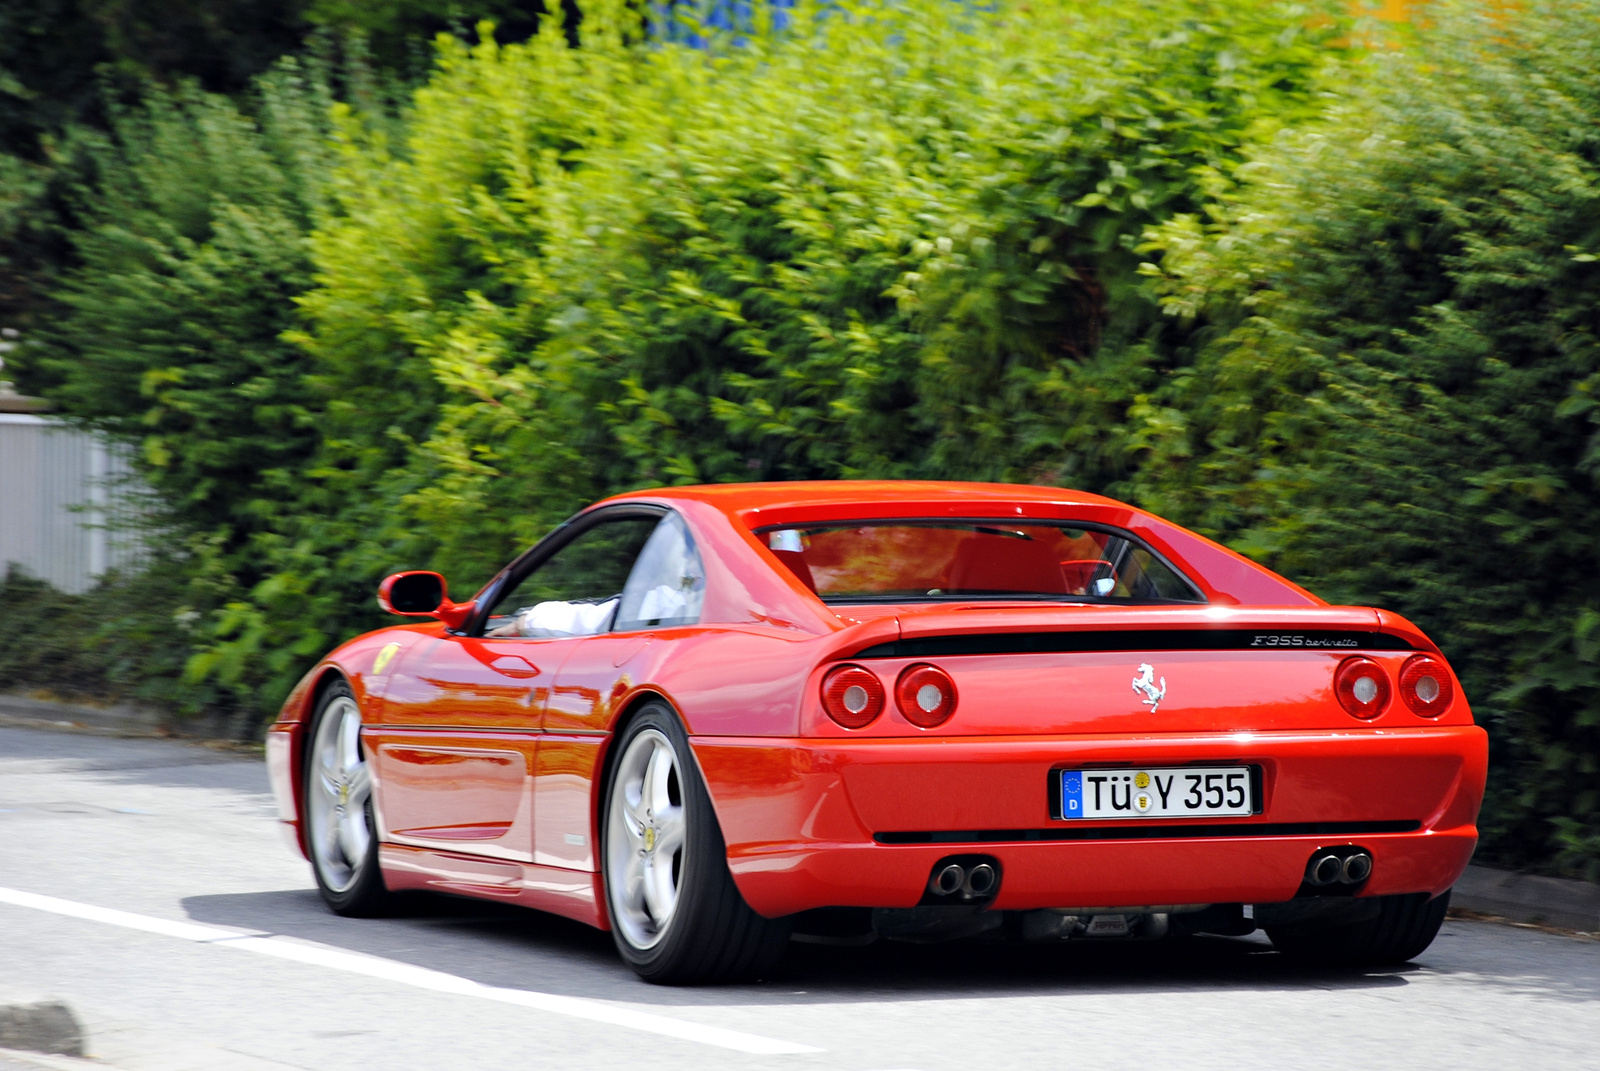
708, 718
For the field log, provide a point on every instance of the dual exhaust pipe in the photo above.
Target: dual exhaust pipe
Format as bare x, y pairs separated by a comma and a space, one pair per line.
963, 880
974, 879
1338, 866
954, 878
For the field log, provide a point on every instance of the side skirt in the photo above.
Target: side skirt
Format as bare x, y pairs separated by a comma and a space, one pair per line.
573, 894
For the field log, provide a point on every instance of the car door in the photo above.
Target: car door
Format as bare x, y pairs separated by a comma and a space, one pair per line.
456, 751
664, 592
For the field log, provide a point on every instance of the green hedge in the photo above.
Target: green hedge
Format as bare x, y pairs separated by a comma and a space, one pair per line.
128, 637
862, 244
867, 244
1396, 399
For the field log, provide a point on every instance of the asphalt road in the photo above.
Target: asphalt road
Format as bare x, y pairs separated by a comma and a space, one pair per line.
145, 884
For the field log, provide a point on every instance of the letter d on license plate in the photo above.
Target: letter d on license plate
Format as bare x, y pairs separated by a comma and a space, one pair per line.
1159, 792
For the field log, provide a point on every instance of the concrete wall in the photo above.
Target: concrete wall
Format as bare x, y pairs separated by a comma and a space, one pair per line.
59, 490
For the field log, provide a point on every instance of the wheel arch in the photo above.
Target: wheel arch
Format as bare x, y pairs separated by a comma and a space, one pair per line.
608, 762
619, 725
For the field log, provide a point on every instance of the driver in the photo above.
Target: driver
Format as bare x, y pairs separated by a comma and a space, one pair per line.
557, 618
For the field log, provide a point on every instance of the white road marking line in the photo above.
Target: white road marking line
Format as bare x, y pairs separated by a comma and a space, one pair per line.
406, 974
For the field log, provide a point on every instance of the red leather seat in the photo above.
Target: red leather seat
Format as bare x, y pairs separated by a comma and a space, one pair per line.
1000, 563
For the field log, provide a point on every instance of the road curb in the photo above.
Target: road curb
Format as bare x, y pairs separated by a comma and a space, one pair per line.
22, 711
48, 1026
123, 719
1562, 902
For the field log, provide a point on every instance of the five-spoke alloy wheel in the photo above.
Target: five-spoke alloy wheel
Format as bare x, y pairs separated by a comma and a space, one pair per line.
676, 914
645, 841
340, 833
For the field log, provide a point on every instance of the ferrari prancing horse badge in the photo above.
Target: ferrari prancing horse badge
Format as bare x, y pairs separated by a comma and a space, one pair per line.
1145, 685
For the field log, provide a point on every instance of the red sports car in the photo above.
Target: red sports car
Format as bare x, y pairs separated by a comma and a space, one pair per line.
708, 718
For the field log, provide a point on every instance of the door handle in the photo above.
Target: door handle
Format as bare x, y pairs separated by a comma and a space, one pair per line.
514, 666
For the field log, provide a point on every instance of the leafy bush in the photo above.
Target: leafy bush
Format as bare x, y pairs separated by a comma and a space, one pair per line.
165, 335
194, 250
588, 268
128, 637
66, 66
888, 241
1397, 404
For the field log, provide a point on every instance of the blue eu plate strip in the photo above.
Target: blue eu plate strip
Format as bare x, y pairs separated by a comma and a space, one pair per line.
1071, 794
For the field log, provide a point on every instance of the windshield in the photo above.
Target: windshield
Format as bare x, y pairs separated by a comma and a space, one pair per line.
886, 561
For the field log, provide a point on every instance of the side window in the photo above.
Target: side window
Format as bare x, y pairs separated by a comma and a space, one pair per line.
668, 583
1147, 578
575, 591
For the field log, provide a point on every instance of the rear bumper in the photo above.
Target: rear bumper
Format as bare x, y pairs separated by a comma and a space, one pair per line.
812, 823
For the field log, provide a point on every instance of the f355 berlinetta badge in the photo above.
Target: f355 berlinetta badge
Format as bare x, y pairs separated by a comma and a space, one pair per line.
1145, 685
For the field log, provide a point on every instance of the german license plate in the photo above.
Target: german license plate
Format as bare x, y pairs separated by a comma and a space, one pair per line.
1158, 792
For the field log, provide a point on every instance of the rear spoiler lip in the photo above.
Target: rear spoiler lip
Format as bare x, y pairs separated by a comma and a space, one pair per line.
1094, 641
1393, 624
918, 619
926, 632
987, 629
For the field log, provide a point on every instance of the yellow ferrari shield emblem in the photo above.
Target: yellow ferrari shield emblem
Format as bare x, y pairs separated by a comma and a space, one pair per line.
385, 656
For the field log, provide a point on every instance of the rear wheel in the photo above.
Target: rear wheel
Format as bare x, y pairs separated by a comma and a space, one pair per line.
1403, 927
676, 915
340, 831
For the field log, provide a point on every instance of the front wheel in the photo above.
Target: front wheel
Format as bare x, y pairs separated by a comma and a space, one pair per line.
676, 915
340, 831
1402, 928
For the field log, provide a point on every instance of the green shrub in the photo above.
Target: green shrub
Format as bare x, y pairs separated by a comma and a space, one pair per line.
127, 638
194, 250
1397, 404
886, 241
166, 334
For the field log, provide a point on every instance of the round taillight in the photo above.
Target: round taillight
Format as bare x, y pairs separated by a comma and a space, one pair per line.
925, 695
1425, 686
852, 696
1363, 687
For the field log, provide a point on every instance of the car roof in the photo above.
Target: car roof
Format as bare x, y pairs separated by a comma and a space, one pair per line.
745, 498
1219, 571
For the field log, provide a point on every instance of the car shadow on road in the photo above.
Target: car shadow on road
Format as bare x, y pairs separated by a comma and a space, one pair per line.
503, 945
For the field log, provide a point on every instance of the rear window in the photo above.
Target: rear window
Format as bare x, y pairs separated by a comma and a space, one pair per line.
895, 561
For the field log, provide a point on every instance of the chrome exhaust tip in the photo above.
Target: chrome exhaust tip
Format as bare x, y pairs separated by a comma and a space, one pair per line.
980, 880
1356, 868
962, 881
1325, 868
948, 880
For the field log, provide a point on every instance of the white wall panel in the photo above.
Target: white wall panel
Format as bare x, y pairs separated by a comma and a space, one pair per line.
56, 487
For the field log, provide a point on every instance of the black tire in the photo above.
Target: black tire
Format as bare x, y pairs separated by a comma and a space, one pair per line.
1404, 926
338, 809
709, 934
